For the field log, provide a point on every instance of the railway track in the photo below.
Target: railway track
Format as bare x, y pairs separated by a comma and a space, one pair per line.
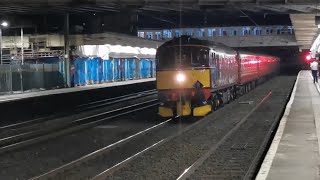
80, 108
81, 111
239, 154
228, 153
101, 156
229, 139
224, 140
82, 163
20, 140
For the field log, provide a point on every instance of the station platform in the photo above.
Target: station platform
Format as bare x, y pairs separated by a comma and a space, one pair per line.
25, 95
294, 152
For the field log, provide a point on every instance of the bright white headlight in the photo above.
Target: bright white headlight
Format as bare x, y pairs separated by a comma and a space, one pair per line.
180, 77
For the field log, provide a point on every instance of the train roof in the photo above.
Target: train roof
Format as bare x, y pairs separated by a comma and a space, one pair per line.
255, 54
184, 40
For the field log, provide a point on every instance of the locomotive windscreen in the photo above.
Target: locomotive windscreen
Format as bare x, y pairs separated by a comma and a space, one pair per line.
182, 56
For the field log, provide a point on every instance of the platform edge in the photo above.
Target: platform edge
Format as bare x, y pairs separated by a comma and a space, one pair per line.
268, 160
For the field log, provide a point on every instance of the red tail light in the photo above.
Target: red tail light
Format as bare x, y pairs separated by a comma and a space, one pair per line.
308, 57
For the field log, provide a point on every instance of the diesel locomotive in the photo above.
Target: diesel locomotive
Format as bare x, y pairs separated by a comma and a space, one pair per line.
195, 77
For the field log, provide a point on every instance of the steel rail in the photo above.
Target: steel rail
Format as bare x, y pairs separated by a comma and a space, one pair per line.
24, 139
81, 107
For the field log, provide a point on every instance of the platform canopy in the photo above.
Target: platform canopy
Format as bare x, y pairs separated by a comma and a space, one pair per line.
302, 12
305, 29
83, 6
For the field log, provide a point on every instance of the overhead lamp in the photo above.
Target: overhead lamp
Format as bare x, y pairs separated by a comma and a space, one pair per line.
4, 24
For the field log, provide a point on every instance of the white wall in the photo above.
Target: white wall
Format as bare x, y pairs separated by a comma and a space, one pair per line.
55, 40
239, 40
256, 41
14, 41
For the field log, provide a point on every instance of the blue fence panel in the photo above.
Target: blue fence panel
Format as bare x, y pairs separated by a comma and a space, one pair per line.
95, 70
126, 69
145, 68
142, 68
108, 70
80, 71
153, 68
61, 68
148, 68
87, 69
123, 70
117, 75
131, 68
100, 71
104, 70
92, 71
111, 71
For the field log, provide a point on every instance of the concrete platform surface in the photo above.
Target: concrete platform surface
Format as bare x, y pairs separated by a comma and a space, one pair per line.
13, 97
294, 152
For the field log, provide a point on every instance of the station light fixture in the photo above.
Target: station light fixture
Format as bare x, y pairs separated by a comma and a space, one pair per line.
4, 24
102, 50
316, 43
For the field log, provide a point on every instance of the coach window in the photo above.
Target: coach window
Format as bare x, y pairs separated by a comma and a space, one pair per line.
211, 58
189, 32
257, 31
149, 35
158, 35
224, 32
269, 31
217, 58
141, 34
177, 33
214, 32
211, 32
235, 32
199, 56
246, 31
203, 34
199, 34
167, 34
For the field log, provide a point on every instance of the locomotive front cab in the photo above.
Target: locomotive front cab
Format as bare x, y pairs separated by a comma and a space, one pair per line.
183, 80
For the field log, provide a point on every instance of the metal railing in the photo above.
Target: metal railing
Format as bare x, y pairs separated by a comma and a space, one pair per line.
30, 55
16, 78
